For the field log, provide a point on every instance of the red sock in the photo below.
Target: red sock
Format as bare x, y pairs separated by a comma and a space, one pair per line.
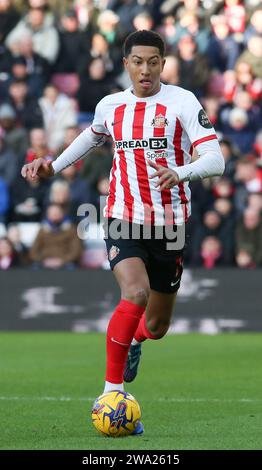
142, 332
120, 333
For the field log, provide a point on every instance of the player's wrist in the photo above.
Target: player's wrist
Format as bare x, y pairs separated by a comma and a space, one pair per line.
49, 160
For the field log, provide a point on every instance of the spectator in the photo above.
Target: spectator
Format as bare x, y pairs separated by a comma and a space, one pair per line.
57, 244
44, 35
99, 48
194, 71
16, 138
100, 193
234, 11
167, 29
211, 251
4, 200
73, 43
8, 256
78, 187
143, 20
179, 8
58, 113
249, 180
8, 162
108, 26
249, 239
239, 128
66, 193
258, 146
13, 235
255, 26
27, 200
86, 13
171, 72
37, 67
244, 79
27, 110
255, 201
94, 85
219, 227
230, 156
9, 17
190, 23
223, 50
253, 55
235, 14
211, 104
98, 163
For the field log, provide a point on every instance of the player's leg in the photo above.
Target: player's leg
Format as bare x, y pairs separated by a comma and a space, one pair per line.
165, 275
154, 324
165, 278
133, 281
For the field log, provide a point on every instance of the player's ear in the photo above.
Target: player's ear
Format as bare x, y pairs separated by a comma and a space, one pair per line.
163, 64
125, 62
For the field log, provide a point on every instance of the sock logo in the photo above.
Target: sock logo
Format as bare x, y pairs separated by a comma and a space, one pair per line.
118, 342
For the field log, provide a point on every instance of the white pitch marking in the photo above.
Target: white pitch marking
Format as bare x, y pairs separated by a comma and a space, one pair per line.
162, 399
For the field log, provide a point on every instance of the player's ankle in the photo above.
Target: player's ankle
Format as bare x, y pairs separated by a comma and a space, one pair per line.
109, 386
135, 342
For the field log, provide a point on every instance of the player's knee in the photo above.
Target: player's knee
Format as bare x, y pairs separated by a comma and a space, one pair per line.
137, 294
157, 328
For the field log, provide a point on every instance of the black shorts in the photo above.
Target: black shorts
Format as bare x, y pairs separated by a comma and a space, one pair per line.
164, 267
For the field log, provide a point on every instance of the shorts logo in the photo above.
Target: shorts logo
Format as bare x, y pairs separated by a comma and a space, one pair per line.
203, 119
113, 252
159, 122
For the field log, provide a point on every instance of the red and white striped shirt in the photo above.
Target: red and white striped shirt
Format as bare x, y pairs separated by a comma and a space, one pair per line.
164, 128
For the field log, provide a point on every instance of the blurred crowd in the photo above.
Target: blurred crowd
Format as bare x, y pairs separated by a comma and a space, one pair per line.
58, 59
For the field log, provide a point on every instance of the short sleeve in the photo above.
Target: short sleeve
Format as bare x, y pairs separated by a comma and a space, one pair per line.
98, 125
195, 121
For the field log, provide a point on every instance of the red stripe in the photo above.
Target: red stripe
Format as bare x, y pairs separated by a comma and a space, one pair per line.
166, 193
179, 155
118, 134
112, 192
204, 139
141, 169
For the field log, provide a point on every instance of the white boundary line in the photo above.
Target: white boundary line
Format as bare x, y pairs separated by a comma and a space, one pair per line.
162, 399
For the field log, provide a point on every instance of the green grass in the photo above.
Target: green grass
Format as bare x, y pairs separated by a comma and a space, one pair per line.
196, 392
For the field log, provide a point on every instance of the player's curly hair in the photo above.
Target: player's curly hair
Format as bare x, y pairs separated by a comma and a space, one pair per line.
144, 38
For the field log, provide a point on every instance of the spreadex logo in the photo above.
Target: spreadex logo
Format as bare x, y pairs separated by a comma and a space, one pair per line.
152, 143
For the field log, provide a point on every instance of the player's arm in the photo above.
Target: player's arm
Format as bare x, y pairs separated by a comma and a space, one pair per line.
79, 148
210, 163
90, 138
203, 137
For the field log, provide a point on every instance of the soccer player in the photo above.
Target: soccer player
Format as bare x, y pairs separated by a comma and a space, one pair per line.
154, 128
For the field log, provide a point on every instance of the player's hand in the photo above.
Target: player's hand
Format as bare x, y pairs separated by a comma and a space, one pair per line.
167, 178
39, 168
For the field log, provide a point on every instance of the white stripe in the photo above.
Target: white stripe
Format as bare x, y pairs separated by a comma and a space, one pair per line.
118, 208
138, 210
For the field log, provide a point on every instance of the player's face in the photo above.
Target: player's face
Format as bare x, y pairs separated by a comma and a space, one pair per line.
144, 65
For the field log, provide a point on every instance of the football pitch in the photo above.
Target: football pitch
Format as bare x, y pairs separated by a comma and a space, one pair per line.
195, 391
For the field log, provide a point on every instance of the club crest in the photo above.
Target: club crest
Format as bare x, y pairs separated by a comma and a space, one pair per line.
113, 252
159, 122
